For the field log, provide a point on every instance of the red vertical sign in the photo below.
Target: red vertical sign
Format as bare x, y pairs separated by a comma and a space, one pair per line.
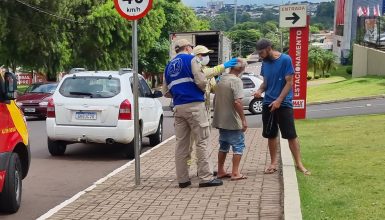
299, 48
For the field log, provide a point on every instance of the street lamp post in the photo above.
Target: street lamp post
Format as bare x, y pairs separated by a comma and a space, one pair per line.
235, 12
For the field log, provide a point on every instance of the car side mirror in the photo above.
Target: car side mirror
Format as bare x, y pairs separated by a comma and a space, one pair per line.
157, 94
10, 86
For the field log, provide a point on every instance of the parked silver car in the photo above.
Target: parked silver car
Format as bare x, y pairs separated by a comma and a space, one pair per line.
251, 83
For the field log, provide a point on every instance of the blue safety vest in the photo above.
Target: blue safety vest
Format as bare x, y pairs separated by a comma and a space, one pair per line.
180, 81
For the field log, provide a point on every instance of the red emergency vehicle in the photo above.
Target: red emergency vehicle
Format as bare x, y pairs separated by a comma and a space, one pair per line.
15, 154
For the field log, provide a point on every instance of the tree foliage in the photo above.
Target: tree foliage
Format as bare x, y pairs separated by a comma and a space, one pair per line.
320, 59
324, 15
54, 36
315, 58
243, 41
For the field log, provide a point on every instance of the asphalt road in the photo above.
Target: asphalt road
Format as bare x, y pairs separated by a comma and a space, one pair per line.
52, 180
362, 107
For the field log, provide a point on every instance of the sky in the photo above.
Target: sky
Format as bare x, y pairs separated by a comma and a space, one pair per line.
195, 3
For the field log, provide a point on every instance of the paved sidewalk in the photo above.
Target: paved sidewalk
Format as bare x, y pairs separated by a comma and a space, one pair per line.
158, 196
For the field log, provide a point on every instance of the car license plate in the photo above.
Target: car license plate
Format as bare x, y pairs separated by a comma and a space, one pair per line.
29, 110
85, 115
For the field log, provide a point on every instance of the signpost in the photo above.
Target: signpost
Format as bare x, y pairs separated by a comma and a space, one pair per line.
295, 17
134, 10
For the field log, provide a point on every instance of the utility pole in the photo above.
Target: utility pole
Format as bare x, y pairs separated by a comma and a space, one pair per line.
281, 41
240, 48
235, 12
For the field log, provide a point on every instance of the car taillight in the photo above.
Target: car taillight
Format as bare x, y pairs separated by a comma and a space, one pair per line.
50, 108
125, 110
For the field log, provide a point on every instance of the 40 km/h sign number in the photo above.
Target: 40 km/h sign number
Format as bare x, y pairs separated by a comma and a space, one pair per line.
133, 9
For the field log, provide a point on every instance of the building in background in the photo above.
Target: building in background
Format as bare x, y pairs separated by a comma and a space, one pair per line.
347, 15
215, 5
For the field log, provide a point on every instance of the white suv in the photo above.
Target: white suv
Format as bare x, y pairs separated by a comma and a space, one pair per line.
97, 107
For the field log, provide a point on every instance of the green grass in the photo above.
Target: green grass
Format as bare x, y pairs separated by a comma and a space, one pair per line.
347, 158
336, 75
339, 72
348, 88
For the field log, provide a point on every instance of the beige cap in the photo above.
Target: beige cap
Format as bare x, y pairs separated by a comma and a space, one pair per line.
201, 50
181, 43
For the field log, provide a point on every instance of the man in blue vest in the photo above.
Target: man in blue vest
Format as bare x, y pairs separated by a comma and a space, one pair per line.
185, 82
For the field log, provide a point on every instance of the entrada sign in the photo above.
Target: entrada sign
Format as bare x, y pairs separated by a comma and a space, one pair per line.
292, 16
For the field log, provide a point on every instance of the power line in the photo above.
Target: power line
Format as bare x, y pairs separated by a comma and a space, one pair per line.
46, 12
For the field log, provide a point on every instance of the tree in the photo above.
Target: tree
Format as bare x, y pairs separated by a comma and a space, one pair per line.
35, 39
324, 14
315, 58
243, 41
222, 22
268, 27
53, 36
329, 61
314, 29
179, 18
246, 26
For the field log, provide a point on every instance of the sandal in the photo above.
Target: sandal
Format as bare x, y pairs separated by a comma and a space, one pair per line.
270, 170
227, 175
242, 177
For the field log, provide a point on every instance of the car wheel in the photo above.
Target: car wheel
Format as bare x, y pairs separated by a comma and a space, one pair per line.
56, 148
10, 198
156, 138
130, 148
255, 106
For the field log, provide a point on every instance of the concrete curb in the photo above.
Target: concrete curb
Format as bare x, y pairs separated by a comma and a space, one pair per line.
291, 199
347, 100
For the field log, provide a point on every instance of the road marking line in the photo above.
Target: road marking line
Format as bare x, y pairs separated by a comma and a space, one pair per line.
328, 109
100, 181
358, 106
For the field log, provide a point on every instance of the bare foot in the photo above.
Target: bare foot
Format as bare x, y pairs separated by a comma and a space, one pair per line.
303, 170
271, 169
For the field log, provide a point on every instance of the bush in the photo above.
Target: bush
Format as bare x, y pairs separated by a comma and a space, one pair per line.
349, 70
327, 75
316, 76
309, 77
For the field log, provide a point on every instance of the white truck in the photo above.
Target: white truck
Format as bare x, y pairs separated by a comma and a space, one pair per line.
214, 40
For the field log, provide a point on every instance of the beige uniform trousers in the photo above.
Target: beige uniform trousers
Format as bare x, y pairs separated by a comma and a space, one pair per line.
192, 120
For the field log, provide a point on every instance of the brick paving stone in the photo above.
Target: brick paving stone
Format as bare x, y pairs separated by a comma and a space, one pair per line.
159, 197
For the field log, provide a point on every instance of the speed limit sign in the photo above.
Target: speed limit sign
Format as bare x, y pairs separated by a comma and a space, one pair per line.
133, 9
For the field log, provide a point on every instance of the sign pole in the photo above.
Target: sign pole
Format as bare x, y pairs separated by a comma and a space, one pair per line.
133, 10
136, 104
295, 17
298, 51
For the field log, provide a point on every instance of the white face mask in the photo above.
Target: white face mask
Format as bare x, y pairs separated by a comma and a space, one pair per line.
205, 60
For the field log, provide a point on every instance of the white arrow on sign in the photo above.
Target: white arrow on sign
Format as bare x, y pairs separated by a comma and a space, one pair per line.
133, 9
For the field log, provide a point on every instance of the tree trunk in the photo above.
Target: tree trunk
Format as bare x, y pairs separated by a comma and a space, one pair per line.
153, 81
315, 71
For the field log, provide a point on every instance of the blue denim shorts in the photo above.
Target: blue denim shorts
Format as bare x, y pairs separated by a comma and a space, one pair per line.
234, 138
